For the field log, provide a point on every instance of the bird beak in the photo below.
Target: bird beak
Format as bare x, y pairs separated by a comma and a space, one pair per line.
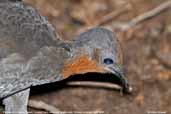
121, 79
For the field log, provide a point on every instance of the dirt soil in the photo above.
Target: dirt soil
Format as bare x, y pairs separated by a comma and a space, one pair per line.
147, 56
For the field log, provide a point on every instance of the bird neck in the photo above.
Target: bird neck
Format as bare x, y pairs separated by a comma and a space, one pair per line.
80, 65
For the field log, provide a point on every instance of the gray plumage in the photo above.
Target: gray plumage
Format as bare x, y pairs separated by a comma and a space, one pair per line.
28, 50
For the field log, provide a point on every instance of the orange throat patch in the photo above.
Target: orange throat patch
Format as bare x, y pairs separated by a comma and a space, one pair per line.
81, 65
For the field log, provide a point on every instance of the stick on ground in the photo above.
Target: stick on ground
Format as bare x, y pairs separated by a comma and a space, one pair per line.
94, 84
147, 15
107, 18
43, 106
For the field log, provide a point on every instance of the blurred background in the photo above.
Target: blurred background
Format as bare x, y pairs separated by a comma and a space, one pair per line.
146, 45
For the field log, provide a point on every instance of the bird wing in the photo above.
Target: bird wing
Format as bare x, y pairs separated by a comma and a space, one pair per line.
23, 25
30, 51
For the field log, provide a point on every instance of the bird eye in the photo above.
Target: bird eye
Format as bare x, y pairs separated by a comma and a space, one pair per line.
108, 61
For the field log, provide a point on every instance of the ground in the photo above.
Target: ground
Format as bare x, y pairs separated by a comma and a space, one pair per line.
147, 55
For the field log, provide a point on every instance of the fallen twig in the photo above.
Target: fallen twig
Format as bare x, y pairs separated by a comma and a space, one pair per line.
94, 84
43, 106
123, 26
98, 84
144, 16
107, 18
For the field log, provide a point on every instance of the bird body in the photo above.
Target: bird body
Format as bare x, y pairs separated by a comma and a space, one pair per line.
28, 50
31, 54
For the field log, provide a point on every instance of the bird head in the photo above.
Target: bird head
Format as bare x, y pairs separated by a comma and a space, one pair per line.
96, 51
